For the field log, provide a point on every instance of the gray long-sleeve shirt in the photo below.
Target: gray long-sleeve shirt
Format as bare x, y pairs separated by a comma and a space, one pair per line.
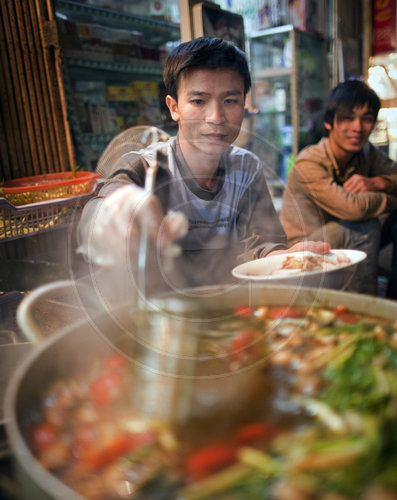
234, 223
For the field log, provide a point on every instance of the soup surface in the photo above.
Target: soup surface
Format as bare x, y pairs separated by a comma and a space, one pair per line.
320, 424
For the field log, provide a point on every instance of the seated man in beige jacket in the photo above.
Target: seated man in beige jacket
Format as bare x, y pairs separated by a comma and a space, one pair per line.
342, 189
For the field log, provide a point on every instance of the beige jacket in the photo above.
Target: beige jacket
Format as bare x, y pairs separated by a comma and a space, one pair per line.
314, 193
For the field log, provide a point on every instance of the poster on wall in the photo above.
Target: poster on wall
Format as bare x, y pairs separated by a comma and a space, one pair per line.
210, 20
384, 26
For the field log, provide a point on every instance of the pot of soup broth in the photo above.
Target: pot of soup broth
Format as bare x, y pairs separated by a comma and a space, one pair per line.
240, 392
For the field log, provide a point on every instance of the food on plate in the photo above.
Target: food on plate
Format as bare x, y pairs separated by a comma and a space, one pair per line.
323, 427
303, 263
314, 262
308, 263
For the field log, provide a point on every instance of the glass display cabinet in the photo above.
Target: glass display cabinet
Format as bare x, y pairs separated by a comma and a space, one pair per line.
289, 82
112, 72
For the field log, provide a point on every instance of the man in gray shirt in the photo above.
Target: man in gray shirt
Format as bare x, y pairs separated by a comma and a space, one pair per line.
228, 214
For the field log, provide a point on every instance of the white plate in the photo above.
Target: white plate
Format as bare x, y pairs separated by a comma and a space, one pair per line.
264, 269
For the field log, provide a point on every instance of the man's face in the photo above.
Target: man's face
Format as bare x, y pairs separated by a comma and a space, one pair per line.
209, 110
350, 132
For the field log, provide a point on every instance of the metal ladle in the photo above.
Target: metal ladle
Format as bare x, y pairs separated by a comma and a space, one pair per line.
151, 173
165, 368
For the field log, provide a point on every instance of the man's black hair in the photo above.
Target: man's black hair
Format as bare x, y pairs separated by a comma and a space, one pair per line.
204, 53
343, 98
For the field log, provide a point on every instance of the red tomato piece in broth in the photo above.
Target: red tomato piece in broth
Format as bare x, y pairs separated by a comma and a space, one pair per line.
348, 318
209, 459
241, 342
256, 432
244, 311
340, 309
118, 446
285, 312
115, 362
43, 435
106, 388
343, 314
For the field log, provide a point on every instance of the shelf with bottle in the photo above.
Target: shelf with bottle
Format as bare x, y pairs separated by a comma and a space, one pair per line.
106, 40
272, 48
272, 96
99, 108
159, 30
103, 45
140, 67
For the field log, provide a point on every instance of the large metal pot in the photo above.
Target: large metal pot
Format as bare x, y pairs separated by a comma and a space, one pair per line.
64, 351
